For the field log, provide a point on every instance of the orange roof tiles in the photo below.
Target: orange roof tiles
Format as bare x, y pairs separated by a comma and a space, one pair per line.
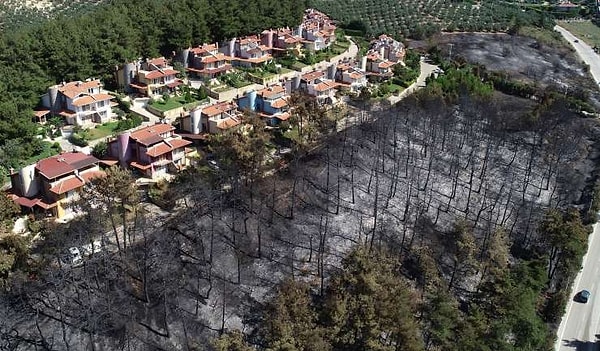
160, 73
324, 86
159, 61
228, 123
312, 75
178, 143
386, 64
271, 91
356, 75
167, 146
159, 149
218, 108
73, 89
89, 175
284, 116
67, 185
249, 39
89, 99
215, 58
159, 128
279, 103
41, 113
141, 166
206, 48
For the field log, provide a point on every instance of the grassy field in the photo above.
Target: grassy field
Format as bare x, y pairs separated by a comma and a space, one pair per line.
172, 103
102, 131
545, 36
584, 30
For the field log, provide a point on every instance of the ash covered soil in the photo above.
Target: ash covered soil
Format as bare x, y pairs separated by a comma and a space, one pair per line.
523, 58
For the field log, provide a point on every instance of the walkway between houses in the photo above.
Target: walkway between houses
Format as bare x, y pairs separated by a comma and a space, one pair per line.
357, 115
426, 71
349, 54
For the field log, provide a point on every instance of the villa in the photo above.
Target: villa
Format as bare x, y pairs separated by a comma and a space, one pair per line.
206, 62
79, 103
152, 77
270, 103
153, 151
52, 184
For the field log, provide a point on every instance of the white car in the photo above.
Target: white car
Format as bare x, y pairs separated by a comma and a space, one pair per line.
92, 248
73, 257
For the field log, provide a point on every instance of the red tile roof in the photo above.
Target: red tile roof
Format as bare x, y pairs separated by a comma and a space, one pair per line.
228, 123
64, 163
89, 175
159, 61
89, 99
218, 108
73, 89
215, 58
271, 91
41, 113
67, 185
204, 49
174, 84
312, 75
159, 149
67, 113
138, 165
324, 86
283, 117
167, 146
279, 103
386, 64
160, 73
156, 129
178, 143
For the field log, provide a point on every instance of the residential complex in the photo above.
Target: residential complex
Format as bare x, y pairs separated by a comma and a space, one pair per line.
156, 150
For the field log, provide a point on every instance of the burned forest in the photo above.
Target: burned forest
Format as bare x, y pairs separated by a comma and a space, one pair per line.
456, 194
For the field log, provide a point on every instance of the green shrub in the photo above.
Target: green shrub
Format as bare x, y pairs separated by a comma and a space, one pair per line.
78, 140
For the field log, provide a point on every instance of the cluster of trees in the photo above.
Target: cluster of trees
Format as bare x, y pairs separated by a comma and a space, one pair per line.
375, 17
36, 56
406, 75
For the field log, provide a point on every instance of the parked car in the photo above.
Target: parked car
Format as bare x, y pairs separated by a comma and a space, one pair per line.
72, 257
92, 248
576, 41
583, 296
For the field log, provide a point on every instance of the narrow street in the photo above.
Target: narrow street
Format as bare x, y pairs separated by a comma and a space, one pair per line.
580, 327
585, 52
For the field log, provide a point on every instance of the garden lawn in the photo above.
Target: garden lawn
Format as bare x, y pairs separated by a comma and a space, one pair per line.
102, 131
170, 104
584, 30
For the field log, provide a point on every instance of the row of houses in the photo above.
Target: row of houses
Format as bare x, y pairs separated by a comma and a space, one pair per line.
51, 185
154, 151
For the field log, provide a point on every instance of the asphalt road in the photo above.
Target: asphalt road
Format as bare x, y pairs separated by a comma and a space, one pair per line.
585, 52
580, 326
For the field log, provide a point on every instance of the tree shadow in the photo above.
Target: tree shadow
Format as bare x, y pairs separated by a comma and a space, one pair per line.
582, 345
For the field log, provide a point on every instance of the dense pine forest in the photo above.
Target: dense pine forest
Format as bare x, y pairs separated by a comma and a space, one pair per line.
67, 48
